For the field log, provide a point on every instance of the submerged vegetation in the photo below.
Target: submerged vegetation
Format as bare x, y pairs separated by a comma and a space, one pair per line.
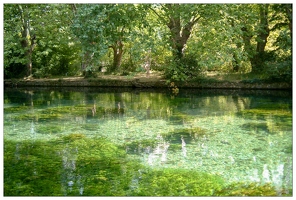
145, 143
80, 166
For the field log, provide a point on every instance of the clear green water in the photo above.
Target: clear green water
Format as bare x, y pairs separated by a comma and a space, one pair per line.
122, 142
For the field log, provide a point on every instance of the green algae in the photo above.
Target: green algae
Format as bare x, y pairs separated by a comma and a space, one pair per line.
73, 110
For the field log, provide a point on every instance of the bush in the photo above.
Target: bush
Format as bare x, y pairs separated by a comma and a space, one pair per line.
277, 68
279, 71
182, 69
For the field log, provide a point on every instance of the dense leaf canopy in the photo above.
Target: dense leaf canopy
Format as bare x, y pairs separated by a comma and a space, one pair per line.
182, 40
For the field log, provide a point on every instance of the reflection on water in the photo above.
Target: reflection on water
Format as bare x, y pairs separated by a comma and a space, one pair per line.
238, 135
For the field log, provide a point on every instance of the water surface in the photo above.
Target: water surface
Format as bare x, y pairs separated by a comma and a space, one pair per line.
76, 139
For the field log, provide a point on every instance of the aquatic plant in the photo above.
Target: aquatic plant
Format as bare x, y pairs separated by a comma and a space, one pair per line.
202, 150
188, 133
243, 189
49, 129
90, 127
179, 119
178, 182
257, 112
16, 109
72, 137
37, 117
145, 145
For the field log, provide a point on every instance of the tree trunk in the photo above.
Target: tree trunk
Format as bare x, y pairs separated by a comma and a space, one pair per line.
235, 63
86, 62
179, 34
258, 60
27, 40
117, 55
289, 16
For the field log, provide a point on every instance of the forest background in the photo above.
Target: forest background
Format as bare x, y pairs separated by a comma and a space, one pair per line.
182, 41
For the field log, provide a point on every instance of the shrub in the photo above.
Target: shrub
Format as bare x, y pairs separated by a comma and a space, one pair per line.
182, 69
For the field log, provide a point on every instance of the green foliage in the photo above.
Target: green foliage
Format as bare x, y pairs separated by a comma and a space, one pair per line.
85, 37
102, 26
279, 71
172, 182
55, 52
14, 61
183, 69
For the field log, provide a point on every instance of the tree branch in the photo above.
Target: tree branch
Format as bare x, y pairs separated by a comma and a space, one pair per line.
161, 18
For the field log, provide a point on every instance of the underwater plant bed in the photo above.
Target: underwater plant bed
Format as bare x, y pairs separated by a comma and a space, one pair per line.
146, 143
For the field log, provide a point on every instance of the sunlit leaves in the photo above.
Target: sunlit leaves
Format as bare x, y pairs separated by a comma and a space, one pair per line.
222, 37
101, 26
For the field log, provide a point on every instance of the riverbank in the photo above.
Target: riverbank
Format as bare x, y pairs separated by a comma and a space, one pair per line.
141, 80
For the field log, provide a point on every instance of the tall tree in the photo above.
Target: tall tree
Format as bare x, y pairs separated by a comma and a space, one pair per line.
28, 37
103, 26
58, 53
261, 38
39, 35
14, 61
181, 19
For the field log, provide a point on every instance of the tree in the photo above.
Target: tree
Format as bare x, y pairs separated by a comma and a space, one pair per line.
262, 34
57, 51
20, 18
39, 35
28, 37
13, 55
103, 26
180, 19
184, 21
